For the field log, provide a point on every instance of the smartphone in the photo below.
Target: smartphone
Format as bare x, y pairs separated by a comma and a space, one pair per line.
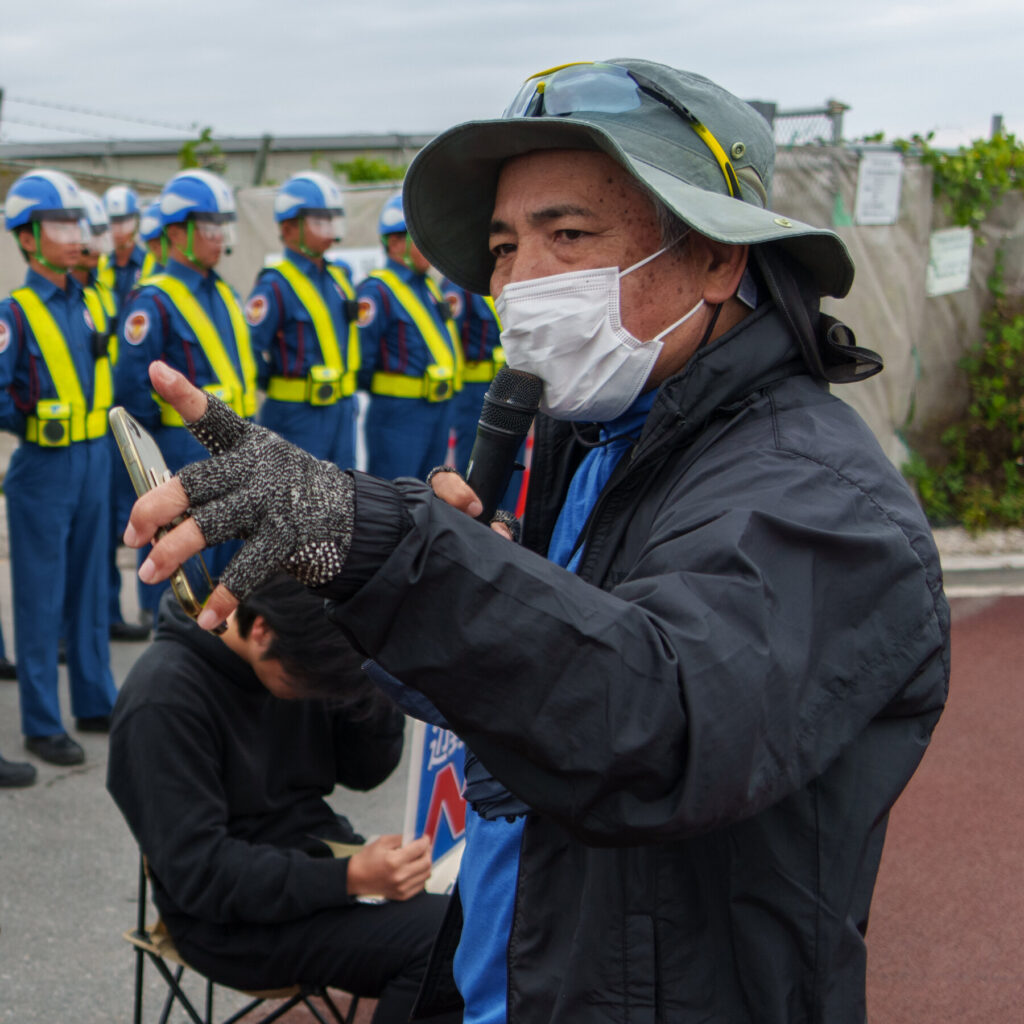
191, 582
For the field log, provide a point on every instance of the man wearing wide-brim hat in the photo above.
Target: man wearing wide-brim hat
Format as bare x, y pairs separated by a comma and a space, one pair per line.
722, 656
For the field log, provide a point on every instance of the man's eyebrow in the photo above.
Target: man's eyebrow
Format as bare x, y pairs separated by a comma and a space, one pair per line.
548, 213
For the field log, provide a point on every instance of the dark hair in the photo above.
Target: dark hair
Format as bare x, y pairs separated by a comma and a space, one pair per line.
317, 657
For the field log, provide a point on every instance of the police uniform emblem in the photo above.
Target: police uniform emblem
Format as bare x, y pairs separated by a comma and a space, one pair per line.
454, 300
256, 310
87, 317
136, 328
367, 311
5, 336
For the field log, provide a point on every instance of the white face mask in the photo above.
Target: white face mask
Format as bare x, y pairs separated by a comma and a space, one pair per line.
567, 330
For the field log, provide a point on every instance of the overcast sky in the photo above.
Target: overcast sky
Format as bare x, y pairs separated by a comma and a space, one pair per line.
339, 66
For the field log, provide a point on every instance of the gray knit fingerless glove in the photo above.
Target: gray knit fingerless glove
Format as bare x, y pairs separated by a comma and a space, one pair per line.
294, 512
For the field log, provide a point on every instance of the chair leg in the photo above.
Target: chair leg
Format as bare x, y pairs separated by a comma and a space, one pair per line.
176, 993
140, 963
325, 997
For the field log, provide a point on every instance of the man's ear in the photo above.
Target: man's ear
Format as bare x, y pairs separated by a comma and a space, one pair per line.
176, 235
722, 266
27, 241
260, 634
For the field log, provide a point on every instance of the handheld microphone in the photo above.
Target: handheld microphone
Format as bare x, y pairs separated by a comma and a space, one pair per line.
510, 405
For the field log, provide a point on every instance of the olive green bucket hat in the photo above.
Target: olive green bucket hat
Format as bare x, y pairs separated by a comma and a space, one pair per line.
706, 154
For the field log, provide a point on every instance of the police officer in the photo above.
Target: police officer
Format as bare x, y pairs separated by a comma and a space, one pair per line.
121, 271
151, 231
411, 357
192, 319
99, 244
302, 314
55, 390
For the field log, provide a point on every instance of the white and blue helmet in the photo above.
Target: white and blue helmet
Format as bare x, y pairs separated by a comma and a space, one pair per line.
120, 202
392, 217
199, 194
95, 223
42, 195
309, 193
151, 225
95, 212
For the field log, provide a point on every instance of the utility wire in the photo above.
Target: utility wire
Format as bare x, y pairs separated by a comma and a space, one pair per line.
152, 123
56, 128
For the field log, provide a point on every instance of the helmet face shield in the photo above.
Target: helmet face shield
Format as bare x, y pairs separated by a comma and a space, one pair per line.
325, 227
124, 229
97, 242
216, 231
64, 232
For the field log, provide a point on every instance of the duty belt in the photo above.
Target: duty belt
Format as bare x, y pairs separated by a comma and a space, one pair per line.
482, 371
436, 385
323, 385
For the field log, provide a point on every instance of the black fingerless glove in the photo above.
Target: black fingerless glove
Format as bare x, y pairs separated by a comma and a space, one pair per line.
294, 512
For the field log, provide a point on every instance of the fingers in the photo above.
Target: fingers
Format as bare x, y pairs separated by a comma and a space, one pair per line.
154, 509
409, 868
232, 517
220, 605
175, 388
451, 488
251, 567
173, 549
501, 528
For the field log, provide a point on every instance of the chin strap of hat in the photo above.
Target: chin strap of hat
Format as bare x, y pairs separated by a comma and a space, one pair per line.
828, 346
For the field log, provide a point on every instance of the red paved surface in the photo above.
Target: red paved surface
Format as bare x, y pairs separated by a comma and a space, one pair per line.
946, 935
300, 1015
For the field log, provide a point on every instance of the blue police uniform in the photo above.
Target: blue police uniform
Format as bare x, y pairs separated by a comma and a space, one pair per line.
57, 511
302, 404
409, 415
154, 327
122, 494
123, 280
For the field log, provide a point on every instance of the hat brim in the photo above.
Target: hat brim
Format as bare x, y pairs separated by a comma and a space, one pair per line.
450, 189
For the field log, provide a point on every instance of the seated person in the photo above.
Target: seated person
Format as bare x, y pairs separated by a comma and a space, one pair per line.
221, 775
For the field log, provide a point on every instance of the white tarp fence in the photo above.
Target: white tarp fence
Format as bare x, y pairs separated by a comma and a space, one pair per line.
920, 337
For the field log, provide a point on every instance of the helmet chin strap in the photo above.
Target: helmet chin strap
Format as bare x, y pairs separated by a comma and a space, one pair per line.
407, 257
189, 250
303, 248
38, 255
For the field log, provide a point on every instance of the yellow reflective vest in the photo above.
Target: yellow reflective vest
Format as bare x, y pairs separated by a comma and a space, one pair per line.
444, 373
60, 421
336, 377
238, 391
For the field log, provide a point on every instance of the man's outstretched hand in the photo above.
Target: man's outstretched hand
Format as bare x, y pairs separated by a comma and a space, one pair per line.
294, 512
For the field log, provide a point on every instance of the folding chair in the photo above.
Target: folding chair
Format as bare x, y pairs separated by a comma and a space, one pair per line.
157, 945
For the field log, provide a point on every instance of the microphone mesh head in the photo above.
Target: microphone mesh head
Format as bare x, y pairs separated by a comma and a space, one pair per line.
512, 401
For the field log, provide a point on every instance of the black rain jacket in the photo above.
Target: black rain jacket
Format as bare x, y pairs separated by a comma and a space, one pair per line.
712, 719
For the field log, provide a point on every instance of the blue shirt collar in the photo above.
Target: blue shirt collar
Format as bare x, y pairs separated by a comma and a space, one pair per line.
138, 256
303, 262
631, 422
46, 289
407, 275
191, 277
